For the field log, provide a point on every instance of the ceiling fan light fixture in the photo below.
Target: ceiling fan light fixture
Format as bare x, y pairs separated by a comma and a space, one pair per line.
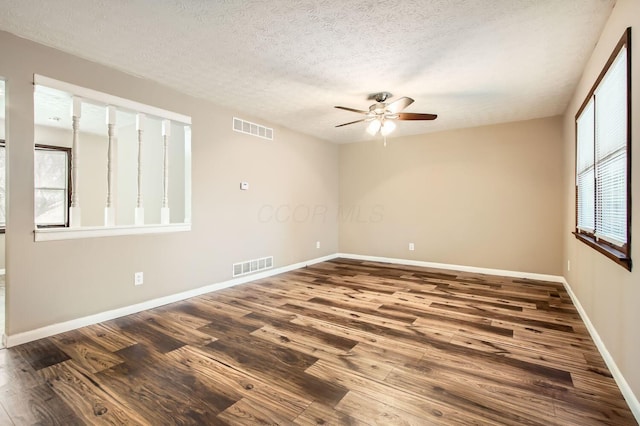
374, 127
382, 114
387, 127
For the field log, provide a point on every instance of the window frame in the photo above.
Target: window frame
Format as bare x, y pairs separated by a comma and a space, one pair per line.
619, 254
3, 144
69, 153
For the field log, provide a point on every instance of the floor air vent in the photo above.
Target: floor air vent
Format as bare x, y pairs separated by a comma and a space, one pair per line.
250, 266
253, 129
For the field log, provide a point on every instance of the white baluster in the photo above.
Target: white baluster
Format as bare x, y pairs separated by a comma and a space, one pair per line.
109, 210
165, 215
139, 213
74, 210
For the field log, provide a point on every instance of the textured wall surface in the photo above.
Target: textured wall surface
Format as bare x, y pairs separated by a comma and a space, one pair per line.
488, 197
609, 293
51, 282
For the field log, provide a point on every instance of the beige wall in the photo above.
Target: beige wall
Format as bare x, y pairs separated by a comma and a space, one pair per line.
488, 197
50, 282
609, 293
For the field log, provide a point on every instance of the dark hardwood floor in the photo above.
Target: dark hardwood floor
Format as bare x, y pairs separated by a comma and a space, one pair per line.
341, 342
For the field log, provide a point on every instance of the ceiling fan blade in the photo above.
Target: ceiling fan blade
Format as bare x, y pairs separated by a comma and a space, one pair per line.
351, 122
416, 116
399, 104
359, 111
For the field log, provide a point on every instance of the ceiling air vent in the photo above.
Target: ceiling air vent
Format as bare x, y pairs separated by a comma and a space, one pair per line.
253, 129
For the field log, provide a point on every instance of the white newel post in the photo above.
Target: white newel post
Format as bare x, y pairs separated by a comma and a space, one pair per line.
109, 210
74, 210
139, 218
165, 215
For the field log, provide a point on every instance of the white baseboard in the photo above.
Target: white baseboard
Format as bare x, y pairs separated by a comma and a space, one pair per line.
463, 268
626, 390
50, 330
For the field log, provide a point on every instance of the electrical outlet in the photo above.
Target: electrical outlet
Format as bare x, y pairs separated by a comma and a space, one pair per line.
138, 278
568, 265
412, 247
317, 244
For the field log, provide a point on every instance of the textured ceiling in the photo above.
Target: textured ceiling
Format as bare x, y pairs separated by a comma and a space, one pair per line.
472, 62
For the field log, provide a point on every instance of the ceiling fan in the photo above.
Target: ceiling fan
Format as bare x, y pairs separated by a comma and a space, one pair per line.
381, 114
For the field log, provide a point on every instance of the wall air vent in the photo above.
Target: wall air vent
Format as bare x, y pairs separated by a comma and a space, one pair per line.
237, 269
253, 129
250, 266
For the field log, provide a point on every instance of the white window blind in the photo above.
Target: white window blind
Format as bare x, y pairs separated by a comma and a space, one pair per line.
601, 157
585, 169
611, 152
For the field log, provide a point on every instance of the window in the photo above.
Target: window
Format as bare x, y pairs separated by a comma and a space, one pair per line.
51, 185
603, 167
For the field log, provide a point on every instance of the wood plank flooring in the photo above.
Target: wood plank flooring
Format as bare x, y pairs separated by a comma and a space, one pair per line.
337, 343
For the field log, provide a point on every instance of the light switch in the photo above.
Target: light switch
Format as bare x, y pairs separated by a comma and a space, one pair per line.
244, 186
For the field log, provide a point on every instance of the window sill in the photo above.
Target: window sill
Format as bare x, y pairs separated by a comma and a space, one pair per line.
52, 234
613, 254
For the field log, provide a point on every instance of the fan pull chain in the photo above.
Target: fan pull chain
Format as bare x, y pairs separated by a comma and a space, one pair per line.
385, 140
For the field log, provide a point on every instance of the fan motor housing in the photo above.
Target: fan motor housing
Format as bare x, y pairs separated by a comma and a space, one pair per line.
378, 108
381, 96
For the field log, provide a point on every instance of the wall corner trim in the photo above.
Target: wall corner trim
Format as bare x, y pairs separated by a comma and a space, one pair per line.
53, 329
626, 390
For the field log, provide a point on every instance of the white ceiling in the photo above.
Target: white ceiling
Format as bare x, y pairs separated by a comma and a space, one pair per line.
53, 108
472, 62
